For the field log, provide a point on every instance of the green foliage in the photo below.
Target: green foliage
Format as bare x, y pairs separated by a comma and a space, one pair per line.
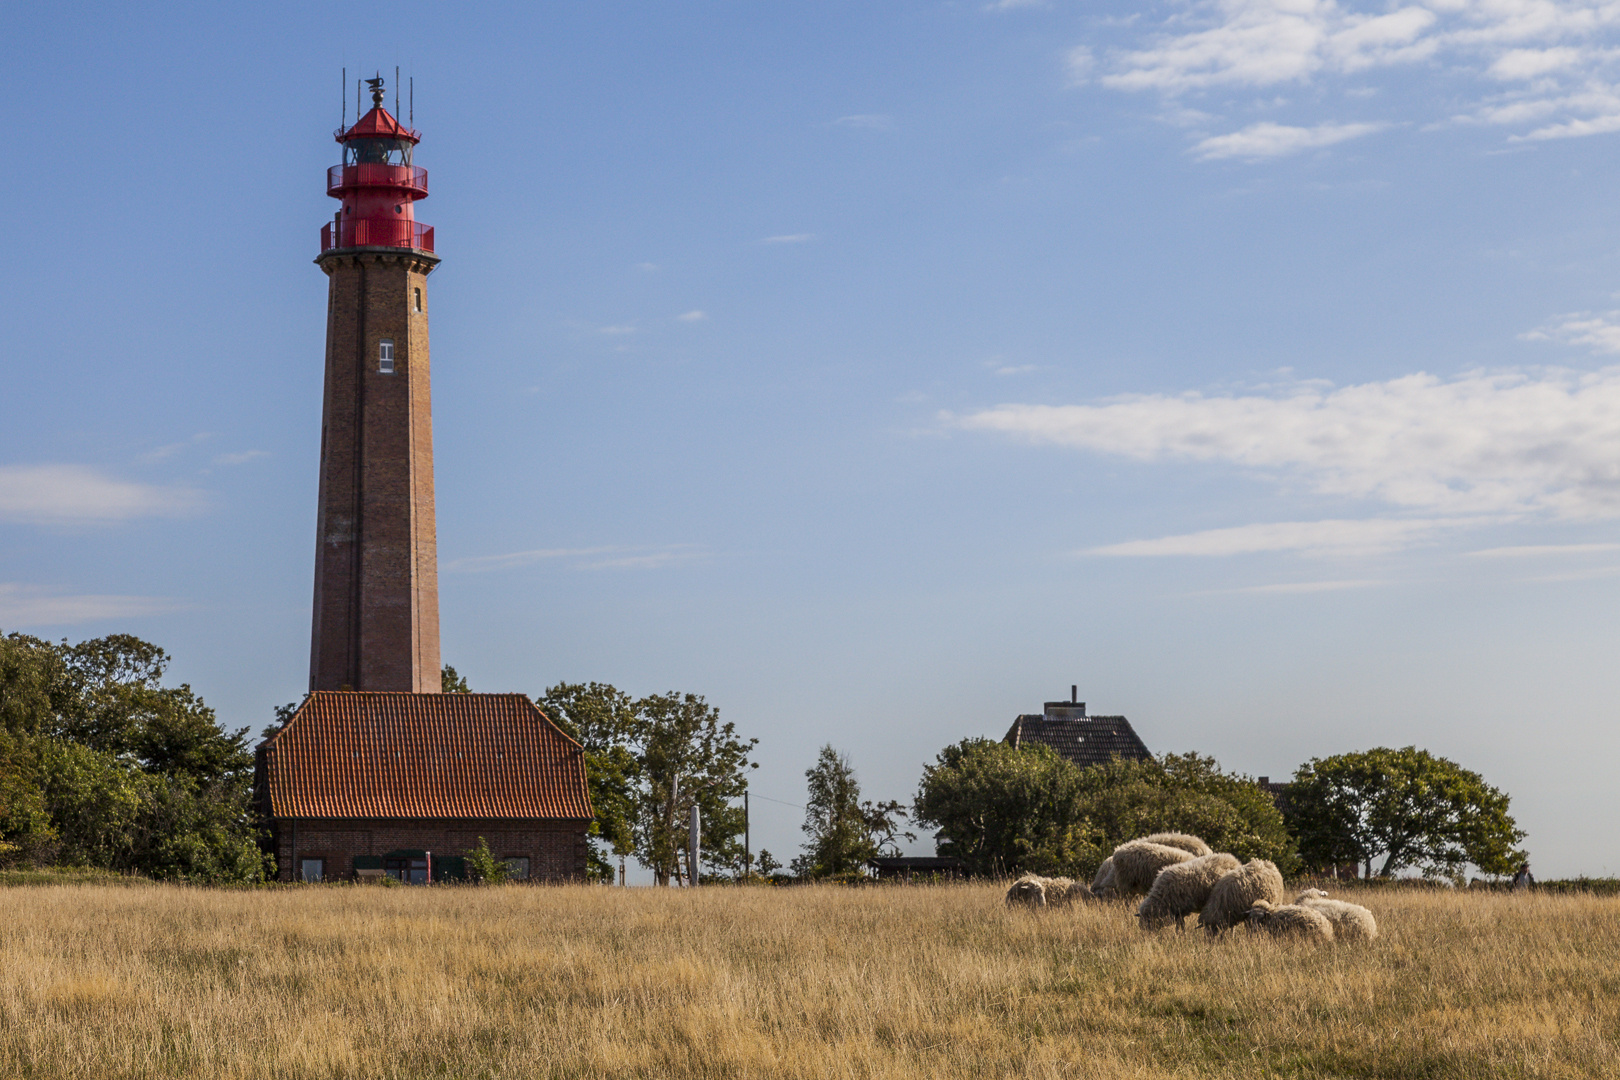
603, 721
1408, 806
648, 761
844, 832
1007, 811
103, 766
483, 866
766, 863
451, 683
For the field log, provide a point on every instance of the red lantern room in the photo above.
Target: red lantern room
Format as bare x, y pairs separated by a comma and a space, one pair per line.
377, 184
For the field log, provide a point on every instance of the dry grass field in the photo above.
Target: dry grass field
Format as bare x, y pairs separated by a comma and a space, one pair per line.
102, 981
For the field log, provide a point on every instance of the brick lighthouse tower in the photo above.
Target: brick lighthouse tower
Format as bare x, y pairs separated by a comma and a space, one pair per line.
376, 622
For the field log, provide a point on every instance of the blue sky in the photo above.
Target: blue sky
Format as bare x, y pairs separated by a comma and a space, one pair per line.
877, 371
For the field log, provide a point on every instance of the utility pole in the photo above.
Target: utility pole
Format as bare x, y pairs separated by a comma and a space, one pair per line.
692, 851
748, 857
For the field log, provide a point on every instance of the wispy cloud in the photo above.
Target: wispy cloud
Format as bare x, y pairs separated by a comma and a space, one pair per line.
1332, 537
163, 453
1268, 140
78, 495
790, 238
593, 558
1546, 65
1481, 443
692, 316
615, 330
1600, 333
1528, 551
1298, 587
29, 606
241, 458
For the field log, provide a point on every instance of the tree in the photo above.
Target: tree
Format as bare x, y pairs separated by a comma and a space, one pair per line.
767, 863
688, 757
1006, 811
603, 721
1408, 806
839, 842
451, 683
484, 867
101, 764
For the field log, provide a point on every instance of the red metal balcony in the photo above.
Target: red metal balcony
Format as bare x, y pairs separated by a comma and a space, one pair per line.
409, 178
382, 233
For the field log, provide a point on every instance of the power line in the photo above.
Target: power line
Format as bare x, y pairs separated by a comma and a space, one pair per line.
784, 802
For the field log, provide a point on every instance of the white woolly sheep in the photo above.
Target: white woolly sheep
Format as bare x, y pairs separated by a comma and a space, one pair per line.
1184, 841
1103, 884
1032, 890
1290, 920
1138, 862
1229, 902
1351, 922
1182, 889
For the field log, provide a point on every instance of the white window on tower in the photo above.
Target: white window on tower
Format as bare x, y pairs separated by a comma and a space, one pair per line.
385, 356
418, 299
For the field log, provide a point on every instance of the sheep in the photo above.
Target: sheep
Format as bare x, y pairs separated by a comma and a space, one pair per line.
1138, 862
1103, 884
1229, 902
1351, 922
1032, 890
1182, 889
1078, 892
1290, 920
1181, 840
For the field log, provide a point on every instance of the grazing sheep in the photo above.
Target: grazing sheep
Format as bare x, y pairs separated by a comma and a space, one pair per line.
1032, 890
1182, 889
1103, 884
1290, 920
1229, 902
1184, 841
1078, 892
1351, 922
1138, 862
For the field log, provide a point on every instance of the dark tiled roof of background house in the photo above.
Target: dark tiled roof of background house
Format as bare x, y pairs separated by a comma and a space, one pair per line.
400, 755
1084, 740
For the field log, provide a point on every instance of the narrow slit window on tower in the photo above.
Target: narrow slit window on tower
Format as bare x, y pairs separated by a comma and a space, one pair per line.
385, 356
418, 299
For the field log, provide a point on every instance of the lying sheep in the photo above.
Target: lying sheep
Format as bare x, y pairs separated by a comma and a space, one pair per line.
1182, 889
1290, 920
1229, 902
1032, 890
1103, 884
1184, 841
1351, 922
1138, 862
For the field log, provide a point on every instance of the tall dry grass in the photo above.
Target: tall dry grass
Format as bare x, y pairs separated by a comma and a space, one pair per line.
98, 981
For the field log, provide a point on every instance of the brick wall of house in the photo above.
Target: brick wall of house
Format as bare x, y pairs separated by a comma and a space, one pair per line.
556, 849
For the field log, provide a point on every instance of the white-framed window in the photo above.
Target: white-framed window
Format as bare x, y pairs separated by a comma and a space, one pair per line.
517, 867
418, 299
311, 869
385, 356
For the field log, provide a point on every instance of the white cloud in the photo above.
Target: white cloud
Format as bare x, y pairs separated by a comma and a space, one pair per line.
514, 559
790, 238
1309, 586
74, 494
616, 330
1010, 5
27, 605
1530, 60
692, 316
1268, 140
242, 458
1540, 550
1333, 537
1600, 333
1481, 443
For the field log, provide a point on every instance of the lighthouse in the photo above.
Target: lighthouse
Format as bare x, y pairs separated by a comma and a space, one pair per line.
376, 616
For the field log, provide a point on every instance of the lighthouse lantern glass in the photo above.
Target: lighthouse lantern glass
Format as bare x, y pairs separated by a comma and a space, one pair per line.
377, 152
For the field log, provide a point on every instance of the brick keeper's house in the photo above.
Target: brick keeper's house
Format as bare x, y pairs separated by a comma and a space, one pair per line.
361, 784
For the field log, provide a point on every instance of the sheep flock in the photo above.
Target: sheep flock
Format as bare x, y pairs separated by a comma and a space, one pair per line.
1177, 875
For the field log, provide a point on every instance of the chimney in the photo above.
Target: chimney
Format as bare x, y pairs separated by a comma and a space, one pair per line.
1074, 694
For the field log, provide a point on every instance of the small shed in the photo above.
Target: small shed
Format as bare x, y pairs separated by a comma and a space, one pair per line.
908, 867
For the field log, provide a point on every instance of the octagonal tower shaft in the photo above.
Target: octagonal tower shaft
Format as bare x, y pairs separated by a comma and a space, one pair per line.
376, 612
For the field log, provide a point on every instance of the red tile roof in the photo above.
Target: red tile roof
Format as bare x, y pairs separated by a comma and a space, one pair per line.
400, 755
378, 123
